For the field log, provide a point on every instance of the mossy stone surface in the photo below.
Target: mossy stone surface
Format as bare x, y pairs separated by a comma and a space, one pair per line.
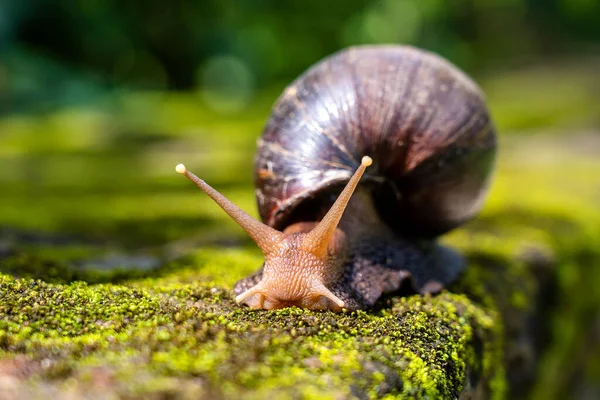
116, 274
191, 339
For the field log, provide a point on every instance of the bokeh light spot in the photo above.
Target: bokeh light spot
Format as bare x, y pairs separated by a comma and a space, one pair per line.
226, 83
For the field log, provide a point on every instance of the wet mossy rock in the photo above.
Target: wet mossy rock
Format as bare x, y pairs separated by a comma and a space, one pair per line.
192, 339
182, 335
116, 275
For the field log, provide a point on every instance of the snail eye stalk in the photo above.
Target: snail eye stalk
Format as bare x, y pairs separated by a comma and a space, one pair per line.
267, 238
317, 240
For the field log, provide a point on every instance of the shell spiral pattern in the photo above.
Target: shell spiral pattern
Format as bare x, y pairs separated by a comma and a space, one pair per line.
423, 121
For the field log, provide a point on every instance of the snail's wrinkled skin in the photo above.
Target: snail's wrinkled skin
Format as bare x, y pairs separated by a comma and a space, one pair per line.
377, 263
425, 125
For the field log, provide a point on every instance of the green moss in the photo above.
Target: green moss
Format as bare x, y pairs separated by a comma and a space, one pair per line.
183, 326
425, 346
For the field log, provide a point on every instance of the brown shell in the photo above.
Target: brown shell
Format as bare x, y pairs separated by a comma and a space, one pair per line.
423, 121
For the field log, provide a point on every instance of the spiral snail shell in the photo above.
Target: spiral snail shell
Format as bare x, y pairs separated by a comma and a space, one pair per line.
424, 126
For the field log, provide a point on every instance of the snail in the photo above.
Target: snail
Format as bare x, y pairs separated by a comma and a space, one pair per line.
423, 129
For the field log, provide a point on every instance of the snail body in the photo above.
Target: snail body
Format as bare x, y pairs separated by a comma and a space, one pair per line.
424, 126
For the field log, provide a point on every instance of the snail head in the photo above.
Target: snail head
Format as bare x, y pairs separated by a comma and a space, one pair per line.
299, 266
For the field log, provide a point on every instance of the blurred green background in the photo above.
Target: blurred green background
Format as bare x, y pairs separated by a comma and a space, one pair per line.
99, 99
66, 52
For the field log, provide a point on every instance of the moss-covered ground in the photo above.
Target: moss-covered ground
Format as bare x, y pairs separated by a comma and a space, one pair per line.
115, 272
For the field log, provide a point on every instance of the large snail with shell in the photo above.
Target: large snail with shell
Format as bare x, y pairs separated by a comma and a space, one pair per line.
332, 240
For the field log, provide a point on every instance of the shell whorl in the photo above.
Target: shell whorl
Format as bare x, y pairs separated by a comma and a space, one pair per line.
423, 121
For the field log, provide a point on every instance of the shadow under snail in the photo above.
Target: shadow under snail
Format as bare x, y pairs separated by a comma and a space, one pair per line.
424, 127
